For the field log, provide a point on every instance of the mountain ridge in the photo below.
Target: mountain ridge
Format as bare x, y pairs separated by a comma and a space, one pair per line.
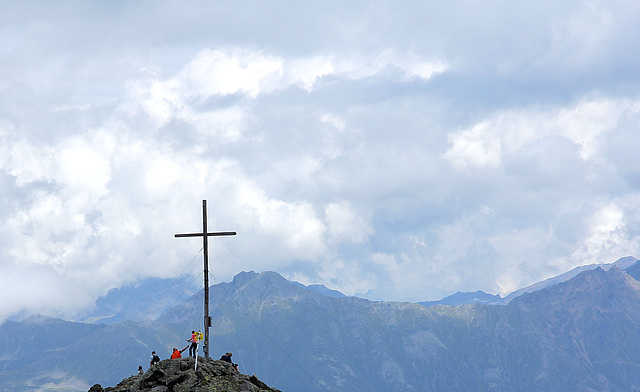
577, 335
465, 298
623, 263
112, 309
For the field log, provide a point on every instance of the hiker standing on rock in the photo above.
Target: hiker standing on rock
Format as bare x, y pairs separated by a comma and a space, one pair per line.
194, 344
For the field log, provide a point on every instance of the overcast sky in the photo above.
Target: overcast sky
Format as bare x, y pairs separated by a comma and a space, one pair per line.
395, 150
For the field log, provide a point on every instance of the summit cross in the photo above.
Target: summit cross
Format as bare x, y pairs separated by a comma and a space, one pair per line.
205, 246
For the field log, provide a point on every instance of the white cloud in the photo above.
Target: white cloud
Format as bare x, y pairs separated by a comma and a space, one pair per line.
41, 290
463, 148
607, 234
583, 36
344, 225
503, 135
477, 147
305, 72
82, 169
215, 72
26, 162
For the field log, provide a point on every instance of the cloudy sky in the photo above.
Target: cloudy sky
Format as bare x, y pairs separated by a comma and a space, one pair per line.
396, 150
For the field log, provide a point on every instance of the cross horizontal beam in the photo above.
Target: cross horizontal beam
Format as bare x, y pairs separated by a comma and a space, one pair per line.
214, 234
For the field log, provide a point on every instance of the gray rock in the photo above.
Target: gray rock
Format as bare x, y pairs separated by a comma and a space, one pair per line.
179, 375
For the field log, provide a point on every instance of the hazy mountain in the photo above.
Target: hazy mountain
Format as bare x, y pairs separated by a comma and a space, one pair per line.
586, 329
464, 298
65, 355
24, 343
359, 345
136, 301
622, 263
322, 289
577, 335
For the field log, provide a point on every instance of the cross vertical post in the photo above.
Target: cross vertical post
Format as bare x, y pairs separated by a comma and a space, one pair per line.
205, 245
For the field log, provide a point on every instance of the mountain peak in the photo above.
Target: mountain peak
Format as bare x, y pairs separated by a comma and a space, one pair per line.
579, 335
271, 284
253, 287
321, 289
624, 263
181, 375
244, 279
595, 286
463, 298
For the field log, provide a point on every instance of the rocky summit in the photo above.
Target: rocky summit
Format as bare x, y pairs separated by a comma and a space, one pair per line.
180, 375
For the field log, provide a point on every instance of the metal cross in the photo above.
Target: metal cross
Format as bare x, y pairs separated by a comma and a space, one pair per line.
205, 245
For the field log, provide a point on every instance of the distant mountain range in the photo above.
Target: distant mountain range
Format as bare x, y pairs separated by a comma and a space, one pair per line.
464, 298
629, 264
576, 332
623, 263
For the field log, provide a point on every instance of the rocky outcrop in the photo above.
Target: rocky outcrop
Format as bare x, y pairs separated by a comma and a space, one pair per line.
179, 375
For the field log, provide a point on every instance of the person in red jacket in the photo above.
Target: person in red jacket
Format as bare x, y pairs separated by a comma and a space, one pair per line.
177, 353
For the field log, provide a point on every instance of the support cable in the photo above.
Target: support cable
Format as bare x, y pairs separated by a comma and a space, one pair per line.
172, 284
146, 329
238, 350
266, 334
191, 312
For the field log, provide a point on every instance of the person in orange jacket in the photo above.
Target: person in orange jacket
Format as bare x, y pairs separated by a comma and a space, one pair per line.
177, 353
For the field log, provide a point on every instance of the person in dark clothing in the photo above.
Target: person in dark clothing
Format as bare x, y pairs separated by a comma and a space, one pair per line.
154, 359
227, 358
